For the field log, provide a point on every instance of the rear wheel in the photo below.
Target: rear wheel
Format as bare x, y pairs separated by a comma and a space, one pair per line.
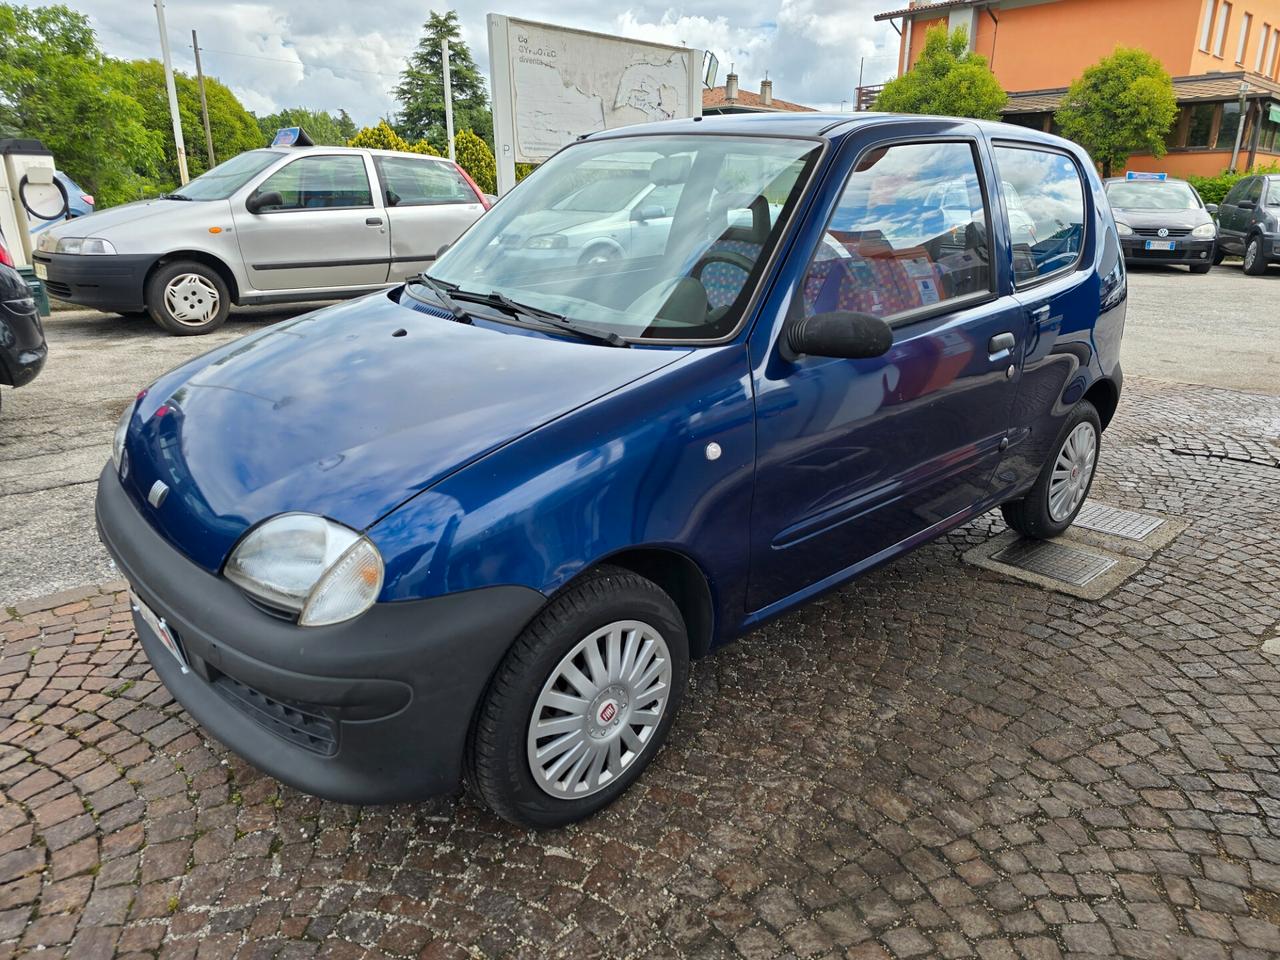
1255, 261
582, 702
1050, 507
187, 298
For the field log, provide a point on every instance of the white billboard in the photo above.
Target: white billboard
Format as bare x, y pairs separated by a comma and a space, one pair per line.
552, 84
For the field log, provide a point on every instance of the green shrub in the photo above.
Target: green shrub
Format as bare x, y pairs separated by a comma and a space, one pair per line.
1214, 189
475, 157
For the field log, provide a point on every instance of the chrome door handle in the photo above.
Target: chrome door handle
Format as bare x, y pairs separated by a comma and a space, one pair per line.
1000, 346
1040, 313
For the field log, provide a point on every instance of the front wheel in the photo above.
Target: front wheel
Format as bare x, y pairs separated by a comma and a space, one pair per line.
1060, 490
1202, 268
582, 702
186, 298
1255, 261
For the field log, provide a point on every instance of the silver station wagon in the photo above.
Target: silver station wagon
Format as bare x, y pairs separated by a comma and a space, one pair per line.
275, 225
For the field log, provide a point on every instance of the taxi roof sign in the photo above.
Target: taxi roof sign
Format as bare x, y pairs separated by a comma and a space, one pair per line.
1139, 175
291, 137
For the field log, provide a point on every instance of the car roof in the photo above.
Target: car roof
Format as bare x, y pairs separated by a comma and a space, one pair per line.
1126, 180
318, 148
815, 124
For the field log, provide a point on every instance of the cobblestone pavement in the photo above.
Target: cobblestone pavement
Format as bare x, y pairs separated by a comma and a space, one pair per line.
935, 761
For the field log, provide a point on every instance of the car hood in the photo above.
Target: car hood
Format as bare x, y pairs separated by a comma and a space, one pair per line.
1183, 219
97, 224
347, 413
554, 221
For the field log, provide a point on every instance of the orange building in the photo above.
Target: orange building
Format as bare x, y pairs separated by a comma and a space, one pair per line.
1224, 55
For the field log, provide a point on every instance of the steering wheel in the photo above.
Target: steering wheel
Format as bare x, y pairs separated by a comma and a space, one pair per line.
741, 261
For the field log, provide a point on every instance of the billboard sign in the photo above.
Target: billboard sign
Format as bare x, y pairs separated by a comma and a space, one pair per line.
552, 84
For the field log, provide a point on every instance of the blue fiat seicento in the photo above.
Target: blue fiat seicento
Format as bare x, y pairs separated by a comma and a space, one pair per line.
474, 528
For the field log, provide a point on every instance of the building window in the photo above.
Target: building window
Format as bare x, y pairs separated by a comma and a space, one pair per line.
1269, 131
1228, 126
1246, 22
1262, 47
1220, 31
1200, 124
1271, 56
1210, 8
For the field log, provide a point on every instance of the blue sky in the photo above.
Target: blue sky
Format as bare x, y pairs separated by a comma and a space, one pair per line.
328, 54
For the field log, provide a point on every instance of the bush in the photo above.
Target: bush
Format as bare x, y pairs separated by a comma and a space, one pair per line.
1214, 189
475, 157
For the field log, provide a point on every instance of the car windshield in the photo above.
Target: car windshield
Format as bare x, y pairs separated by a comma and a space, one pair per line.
1152, 195
227, 177
683, 267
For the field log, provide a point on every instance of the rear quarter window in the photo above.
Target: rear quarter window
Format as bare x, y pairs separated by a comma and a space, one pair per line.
1046, 210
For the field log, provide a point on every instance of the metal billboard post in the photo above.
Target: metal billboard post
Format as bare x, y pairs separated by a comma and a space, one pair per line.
504, 134
173, 94
448, 94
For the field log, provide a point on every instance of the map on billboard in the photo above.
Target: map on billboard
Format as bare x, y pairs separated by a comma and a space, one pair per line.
562, 83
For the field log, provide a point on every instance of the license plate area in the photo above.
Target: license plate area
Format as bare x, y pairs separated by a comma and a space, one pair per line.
168, 639
41, 270
1161, 245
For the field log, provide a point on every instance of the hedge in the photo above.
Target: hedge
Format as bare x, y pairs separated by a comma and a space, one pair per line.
1214, 189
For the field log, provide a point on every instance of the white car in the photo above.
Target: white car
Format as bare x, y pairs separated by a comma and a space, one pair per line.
275, 225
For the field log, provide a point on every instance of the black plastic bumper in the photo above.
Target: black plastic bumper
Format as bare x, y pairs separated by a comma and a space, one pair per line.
1187, 252
105, 282
22, 346
374, 710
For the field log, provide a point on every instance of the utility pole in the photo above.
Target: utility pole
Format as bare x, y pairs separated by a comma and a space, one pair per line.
173, 94
1244, 107
448, 94
204, 106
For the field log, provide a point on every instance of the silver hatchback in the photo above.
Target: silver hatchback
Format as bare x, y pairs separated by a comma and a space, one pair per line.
268, 226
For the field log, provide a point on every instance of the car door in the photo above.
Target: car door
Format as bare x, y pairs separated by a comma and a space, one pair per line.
859, 458
1059, 291
1230, 215
326, 232
428, 203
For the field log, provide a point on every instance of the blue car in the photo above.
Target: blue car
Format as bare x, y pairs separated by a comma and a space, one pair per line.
473, 529
74, 203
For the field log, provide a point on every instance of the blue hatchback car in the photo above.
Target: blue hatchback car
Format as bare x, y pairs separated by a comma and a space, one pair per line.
473, 528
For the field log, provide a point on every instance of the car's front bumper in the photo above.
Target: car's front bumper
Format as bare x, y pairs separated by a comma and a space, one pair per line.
106, 282
1186, 251
374, 710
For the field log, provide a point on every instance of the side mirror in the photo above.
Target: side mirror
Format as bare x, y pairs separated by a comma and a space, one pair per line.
1212, 208
650, 212
851, 336
1246, 204
259, 201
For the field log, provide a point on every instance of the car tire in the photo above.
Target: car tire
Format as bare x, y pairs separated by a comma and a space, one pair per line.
1219, 255
187, 299
600, 253
1255, 260
568, 671
1062, 488
1201, 268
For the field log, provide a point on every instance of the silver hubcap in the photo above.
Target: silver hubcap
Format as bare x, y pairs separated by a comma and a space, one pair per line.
191, 299
1072, 471
599, 710
1251, 255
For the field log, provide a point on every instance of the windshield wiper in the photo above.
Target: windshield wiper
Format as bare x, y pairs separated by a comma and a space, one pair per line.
442, 294
546, 318
173, 196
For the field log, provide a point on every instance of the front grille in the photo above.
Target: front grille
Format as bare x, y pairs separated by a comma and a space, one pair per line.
59, 290
1155, 231
300, 723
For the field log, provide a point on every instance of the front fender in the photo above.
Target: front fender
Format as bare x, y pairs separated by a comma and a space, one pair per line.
629, 470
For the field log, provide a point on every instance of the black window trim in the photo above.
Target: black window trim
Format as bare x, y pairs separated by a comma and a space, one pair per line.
382, 182
943, 307
1084, 194
314, 156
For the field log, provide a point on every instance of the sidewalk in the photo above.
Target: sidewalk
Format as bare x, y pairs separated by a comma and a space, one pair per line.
935, 761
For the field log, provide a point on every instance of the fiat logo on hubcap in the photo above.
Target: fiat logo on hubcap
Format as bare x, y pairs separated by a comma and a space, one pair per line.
608, 712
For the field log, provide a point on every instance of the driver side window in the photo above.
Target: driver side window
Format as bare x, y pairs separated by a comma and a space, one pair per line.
909, 232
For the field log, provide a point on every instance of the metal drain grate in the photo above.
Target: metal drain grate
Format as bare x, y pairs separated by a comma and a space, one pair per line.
1117, 522
1055, 560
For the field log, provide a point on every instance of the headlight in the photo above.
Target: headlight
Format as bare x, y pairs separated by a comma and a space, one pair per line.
315, 568
46, 243
547, 241
122, 429
1206, 231
1124, 229
86, 245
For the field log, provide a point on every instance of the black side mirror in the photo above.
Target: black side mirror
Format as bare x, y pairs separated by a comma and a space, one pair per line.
651, 212
851, 336
1212, 209
259, 201
1246, 204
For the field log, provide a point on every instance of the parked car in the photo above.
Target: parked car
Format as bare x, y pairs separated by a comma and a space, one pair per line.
1249, 222
77, 204
276, 225
22, 346
482, 521
1164, 221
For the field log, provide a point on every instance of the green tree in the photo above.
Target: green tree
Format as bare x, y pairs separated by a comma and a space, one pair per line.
331, 129
234, 128
383, 137
947, 80
56, 86
421, 88
1121, 105
475, 157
